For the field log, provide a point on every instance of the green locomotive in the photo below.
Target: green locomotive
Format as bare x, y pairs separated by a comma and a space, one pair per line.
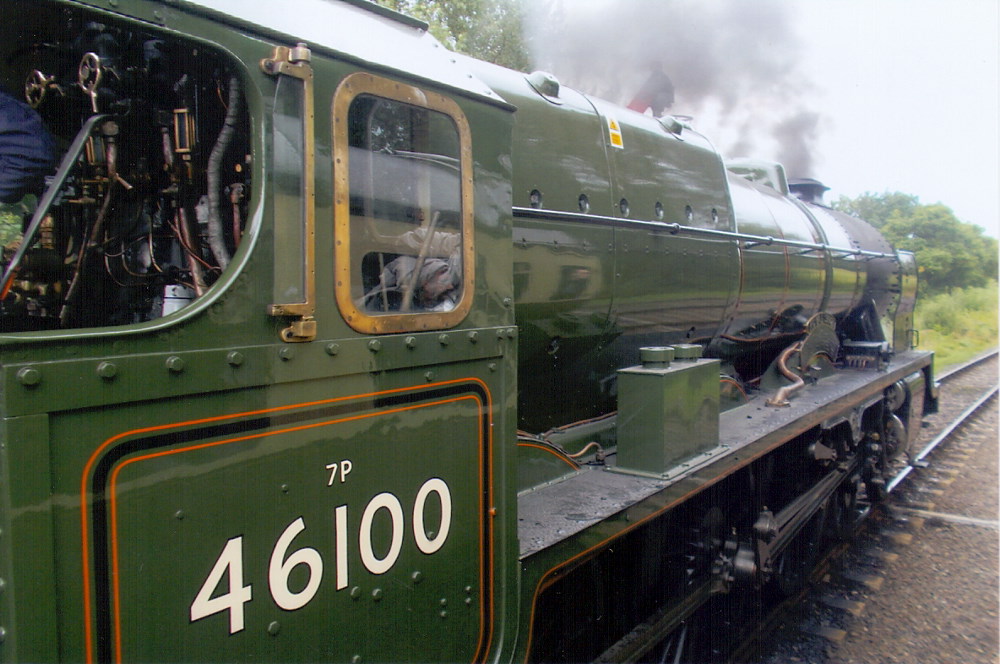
323, 343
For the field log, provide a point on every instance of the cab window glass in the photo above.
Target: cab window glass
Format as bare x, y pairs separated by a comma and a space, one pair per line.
405, 207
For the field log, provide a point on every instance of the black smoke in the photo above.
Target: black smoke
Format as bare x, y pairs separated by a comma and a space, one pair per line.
734, 64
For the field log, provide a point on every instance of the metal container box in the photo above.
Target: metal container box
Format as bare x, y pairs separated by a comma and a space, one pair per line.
668, 410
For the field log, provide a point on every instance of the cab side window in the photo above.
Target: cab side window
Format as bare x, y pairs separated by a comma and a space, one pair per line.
406, 195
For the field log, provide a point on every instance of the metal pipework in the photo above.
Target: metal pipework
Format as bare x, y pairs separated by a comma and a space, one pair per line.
781, 397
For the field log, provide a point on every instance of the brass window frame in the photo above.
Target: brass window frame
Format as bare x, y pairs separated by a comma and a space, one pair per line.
350, 88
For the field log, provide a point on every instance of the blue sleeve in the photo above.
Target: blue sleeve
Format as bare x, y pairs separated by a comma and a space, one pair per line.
27, 152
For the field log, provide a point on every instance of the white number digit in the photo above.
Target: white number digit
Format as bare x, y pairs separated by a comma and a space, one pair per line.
230, 563
340, 523
375, 564
281, 567
426, 544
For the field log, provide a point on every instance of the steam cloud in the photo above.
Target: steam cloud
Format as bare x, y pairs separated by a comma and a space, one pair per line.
734, 65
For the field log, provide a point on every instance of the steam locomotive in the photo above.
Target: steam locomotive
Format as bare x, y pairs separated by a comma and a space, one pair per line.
324, 343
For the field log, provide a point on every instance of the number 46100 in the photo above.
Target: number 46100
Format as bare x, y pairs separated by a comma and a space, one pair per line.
229, 564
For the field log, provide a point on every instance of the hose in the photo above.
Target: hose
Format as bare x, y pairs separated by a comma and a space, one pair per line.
216, 235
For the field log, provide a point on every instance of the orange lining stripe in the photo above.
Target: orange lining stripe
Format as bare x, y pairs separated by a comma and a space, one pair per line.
88, 467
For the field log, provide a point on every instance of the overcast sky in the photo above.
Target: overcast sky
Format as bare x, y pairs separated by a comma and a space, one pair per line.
867, 95
910, 93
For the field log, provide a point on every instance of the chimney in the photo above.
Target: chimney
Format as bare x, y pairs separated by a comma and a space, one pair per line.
807, 190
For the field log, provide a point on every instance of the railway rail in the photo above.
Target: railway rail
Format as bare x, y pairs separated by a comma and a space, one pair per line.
920, 460
965, 390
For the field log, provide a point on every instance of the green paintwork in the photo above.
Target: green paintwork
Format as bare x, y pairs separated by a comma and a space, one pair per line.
589, 294
903, 330
669, 414
170, 488
538, 465
775, 279
184, 433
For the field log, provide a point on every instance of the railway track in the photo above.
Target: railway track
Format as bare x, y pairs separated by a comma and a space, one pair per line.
787, 632
988, 394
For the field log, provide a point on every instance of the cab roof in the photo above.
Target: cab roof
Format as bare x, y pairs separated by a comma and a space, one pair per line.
355, 30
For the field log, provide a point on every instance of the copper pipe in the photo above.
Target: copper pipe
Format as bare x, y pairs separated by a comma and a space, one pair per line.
184, 230
236, 194
781, 396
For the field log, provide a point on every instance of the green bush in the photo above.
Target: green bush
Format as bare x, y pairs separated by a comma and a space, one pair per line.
958, 325
11, 218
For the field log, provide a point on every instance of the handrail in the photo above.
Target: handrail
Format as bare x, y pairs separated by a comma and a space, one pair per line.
66, 166
676, 229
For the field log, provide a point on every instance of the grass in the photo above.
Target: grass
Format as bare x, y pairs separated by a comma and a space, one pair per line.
958, 325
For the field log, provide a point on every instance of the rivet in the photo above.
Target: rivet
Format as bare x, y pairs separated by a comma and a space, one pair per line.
500, 334
107, 370
29, 376
355, 592
468, 601
332, 349
377, 594
429, 376
179, 515
284, 488
417, 576
286, 353
374, 345
356, 659
235, 358
411, 342
507, 302
511, 332
473, 336
444, 601
3, 585
493, 366
443, 614
273, 628
468, 590
175, 363
443, 339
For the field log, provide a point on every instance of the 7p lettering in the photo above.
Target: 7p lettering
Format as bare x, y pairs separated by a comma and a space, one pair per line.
339, 469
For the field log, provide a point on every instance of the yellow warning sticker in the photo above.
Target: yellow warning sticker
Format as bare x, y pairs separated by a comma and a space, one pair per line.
615, 134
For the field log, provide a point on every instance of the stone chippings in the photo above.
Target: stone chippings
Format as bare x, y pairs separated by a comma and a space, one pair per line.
939, 601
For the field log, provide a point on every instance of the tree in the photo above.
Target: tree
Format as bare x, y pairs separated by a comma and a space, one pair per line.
950, 253
486, 29
877, 208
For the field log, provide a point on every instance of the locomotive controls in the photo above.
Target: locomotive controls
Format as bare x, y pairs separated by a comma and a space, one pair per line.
150, 201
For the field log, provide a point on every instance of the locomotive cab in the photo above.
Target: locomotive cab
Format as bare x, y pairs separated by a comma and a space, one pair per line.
257, 340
